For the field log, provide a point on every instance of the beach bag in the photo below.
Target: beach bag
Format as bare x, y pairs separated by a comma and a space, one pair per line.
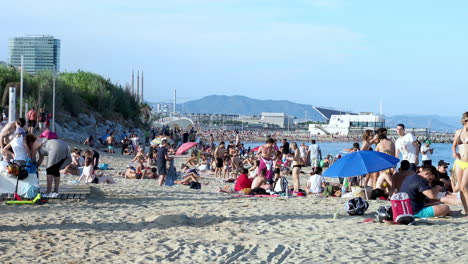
401, 208
280, 185
195, 185
384, 213
356, 206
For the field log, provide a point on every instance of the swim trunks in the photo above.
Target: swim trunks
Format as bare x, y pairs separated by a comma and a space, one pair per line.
425, 212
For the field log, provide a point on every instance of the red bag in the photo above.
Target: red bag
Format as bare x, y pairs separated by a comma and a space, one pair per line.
401, 208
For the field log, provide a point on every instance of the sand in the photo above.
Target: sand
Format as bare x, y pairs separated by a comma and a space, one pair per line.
136, 221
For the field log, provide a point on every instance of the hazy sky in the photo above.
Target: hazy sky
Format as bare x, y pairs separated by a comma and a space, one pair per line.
338, 53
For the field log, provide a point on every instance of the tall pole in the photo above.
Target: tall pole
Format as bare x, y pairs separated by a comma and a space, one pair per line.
53, 100
21, 88
175, 100
141, 95
138, 86
133, 82
12, 105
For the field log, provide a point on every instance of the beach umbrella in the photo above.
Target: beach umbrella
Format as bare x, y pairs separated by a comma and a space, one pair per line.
256, 149
184, 147
359, 163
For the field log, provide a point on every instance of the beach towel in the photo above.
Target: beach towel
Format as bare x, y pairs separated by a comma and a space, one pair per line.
256, 195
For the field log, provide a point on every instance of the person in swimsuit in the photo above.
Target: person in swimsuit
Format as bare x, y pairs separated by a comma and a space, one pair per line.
297, 165
461, 161
219, 155
266, 155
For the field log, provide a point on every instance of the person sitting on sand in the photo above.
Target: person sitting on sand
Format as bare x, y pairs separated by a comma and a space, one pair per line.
242, 185
73, 167
192, 161
91, 177
189, 175
316, 182
418, 188
399, 177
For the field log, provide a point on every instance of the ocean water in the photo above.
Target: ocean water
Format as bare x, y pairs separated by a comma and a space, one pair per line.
442, 151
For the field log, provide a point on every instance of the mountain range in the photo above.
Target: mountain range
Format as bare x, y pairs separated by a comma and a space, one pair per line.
241, 105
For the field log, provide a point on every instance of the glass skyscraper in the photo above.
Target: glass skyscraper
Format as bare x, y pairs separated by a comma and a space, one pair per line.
40, 53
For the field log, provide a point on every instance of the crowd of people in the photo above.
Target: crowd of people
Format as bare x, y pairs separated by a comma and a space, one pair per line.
262, 170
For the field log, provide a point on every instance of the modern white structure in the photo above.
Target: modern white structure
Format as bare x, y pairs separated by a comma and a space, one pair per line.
41, 53
342, 124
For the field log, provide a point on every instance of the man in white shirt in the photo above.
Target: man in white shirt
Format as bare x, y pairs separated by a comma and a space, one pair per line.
426, 152
315, 182
315, 154
407, 145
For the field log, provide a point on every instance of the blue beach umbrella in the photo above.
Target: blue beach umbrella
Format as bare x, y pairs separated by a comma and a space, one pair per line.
359, 163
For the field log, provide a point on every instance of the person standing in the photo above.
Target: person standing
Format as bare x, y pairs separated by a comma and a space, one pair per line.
32, 120
58, 157
285, 149
408, 146
161, 160
460, 140
315, 154
426, 152
42, 118
297, 165
219, 154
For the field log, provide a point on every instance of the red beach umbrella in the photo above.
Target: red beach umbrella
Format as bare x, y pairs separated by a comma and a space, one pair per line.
184, 147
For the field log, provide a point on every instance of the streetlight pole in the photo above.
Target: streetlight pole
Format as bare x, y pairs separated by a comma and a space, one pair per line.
21, 88
53, 100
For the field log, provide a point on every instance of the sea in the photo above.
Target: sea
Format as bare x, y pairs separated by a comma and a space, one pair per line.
442, 151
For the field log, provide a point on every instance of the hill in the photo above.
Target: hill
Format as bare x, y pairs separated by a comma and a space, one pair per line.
242, 105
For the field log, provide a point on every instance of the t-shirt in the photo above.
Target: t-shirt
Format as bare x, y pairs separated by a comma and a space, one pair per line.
242, 182
428, 154
32, 115
314, 151
161, 157
405, 146
414, 185
316, 183
302, 149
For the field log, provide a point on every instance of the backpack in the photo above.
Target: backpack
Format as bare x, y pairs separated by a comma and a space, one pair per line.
401, 208
356, 206
258, 191
384, 213
377, 193
280, 185
195, 185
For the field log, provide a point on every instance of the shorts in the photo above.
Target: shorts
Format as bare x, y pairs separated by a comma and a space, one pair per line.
162, 170
315, 162
110, 147
32, 123
246, 191
219, 163
55, 169
425, 212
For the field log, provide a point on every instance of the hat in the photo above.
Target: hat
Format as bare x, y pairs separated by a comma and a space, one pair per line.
442, 163
428, 142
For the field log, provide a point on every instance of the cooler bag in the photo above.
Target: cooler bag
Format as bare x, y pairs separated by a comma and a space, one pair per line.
401, 208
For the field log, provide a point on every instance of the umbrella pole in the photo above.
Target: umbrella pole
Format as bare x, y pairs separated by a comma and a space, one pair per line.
365, 187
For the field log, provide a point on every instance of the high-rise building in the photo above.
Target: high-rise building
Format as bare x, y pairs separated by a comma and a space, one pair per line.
40, 53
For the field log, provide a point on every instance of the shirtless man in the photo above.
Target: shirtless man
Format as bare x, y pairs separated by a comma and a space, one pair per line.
384, 144
267, 154
219, 156
110, 143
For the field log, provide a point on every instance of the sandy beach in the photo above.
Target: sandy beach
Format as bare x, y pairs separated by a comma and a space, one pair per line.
136, 221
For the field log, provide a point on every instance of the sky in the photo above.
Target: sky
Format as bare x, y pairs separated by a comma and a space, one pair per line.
349, 55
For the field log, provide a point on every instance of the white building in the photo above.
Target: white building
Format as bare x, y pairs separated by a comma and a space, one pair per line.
342, 123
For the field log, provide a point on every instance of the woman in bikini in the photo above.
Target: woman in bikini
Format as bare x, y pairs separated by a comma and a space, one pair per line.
297, 165
461, 161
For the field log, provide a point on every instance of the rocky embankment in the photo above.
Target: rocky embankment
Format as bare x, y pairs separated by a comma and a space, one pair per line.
78, 129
